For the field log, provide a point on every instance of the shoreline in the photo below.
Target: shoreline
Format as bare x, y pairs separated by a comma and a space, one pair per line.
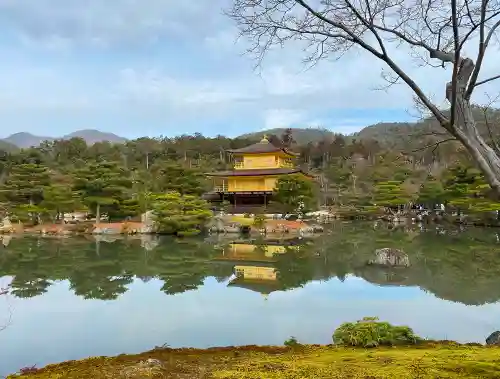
139, 228
427, 359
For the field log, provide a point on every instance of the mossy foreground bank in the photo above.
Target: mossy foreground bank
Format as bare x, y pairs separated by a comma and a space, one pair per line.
426, 360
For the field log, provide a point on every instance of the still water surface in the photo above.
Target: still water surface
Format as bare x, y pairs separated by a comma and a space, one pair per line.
76, 297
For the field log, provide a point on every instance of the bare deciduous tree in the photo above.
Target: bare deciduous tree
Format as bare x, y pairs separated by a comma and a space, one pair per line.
438, 30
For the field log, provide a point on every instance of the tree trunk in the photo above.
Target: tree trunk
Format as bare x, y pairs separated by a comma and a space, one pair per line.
485, 156
464, 127
98, 214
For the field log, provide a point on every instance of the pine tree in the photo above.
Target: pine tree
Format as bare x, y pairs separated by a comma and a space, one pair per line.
102, 185
293, 192
23, 190
25, 183
390, 194
180, 214
431, 192
174, 177
466, 188
59, 198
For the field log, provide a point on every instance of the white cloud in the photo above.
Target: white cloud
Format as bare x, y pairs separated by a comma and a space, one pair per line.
279, 118
116, 22
179, 59
155, 86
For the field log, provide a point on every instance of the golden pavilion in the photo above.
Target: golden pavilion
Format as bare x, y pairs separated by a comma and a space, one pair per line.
253, 178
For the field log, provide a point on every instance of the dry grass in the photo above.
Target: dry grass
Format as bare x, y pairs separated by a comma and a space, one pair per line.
437, 360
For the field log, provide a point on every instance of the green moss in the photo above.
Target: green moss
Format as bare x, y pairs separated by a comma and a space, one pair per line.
429, 360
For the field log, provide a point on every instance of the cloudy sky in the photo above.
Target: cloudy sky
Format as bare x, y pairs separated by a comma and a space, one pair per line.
165, 67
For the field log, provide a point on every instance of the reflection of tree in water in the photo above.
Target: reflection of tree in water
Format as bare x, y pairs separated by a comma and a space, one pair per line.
455, 266
458, 267
25, 286
184, 265
94, 285
106, 273
295, 267
384, 276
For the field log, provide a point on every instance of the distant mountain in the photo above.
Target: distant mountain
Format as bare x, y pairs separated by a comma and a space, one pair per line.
92, 136
386, 131
301, 135
24, 140
401, 135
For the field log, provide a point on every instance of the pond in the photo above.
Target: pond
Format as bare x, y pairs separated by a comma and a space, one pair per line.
78, 297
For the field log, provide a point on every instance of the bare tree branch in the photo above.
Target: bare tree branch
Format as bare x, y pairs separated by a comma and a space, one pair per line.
351, 34
483, 44
432, 29
487, 80
485, 110
434, 145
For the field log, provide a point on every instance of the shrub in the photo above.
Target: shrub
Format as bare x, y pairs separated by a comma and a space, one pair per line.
292, 342
178, 214
259, 221
369, 332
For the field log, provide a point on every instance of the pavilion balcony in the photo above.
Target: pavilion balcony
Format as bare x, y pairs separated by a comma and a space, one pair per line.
221, 187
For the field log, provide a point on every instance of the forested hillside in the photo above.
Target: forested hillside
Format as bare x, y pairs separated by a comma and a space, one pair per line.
403, 135
384, 165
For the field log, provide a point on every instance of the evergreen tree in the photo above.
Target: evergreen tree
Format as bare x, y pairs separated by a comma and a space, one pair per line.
390, 194
180, 214
294, 193
287, 139
103, 186
431, 192
25, 184
466, 188
176, 178
59, 198
23, 190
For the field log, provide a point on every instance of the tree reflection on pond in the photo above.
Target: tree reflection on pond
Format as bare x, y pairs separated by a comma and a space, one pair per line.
453, 264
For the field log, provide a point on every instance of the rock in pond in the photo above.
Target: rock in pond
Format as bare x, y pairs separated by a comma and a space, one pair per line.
390, 257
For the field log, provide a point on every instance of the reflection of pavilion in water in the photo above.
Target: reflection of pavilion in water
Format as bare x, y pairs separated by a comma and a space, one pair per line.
254, 263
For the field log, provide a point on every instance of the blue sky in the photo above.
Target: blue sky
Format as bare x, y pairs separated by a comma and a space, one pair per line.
171, 67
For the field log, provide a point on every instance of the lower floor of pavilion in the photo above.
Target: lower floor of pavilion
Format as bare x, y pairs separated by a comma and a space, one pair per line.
242, 202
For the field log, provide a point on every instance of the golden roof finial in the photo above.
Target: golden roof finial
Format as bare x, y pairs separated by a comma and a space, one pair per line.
264, 139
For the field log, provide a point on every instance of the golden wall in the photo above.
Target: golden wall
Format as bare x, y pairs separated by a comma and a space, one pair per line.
261, 161
256, 183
